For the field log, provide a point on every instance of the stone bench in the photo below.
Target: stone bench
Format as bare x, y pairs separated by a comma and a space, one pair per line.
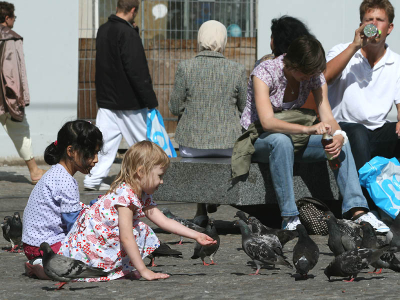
207, 180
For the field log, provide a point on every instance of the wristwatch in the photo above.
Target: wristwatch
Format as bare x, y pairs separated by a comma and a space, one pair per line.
343, 133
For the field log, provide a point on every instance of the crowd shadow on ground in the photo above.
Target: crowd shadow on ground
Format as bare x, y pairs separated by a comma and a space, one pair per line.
13, 177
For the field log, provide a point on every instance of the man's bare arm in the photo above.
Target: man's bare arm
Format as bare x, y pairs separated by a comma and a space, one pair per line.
336, 66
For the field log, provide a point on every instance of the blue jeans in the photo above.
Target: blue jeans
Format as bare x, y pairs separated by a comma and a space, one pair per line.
277, 150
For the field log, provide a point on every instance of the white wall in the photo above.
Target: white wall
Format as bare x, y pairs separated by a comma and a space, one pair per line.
331, 21
50, 32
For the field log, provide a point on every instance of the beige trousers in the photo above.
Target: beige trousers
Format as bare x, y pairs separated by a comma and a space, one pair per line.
19, 134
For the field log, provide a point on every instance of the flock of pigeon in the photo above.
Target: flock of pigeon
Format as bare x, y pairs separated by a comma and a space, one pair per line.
354, 246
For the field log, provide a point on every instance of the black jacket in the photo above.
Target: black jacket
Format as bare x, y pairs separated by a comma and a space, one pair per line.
123, 80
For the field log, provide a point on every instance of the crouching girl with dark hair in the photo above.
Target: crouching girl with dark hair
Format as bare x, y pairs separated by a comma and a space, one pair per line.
54, 205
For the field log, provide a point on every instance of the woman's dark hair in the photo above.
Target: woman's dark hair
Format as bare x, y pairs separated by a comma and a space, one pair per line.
84, 137
6, 10
284, 31
306, 55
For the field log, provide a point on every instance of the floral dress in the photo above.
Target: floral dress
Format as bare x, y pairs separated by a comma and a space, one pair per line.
94, 238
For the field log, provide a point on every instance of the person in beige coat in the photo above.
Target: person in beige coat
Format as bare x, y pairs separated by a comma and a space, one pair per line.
209, 96
14, 92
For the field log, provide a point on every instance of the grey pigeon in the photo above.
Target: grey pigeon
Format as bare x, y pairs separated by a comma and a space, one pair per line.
5, 226
283, 235
388, 260
163, 250
262, 249
15, 232
341, 237
305, 252
393, 236
184, 222
64, 269
352, 262
242, 216
201, 220
211, 250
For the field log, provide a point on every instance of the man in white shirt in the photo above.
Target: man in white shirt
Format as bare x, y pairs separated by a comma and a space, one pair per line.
364, 82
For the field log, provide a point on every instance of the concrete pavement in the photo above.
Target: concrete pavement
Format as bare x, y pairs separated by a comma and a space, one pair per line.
189, 278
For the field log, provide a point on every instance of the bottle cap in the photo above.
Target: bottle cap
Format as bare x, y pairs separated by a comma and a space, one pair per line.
370, 30
326, 136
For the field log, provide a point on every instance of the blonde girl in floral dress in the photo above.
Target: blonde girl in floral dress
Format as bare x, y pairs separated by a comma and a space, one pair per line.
102, 235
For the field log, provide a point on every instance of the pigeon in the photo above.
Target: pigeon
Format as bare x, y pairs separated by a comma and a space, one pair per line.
262, 249
393, 236
15, 232
388, 260
64, 269
341, 237
201, 220
5, 226
163, 250
184, 222
305, 252
211, 250
242, 216
283, 235
350, 263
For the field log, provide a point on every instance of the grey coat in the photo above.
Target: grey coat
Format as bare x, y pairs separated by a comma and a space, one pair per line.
209, 94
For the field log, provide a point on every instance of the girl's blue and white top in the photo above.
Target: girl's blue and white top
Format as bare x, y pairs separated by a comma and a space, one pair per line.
56, 193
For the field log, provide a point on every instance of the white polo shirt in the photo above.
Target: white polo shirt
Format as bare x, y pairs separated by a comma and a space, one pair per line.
362, 94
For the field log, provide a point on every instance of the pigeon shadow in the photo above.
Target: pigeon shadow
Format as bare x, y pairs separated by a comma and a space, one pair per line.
301, 277
239, 274
327, 253
358, 279
264, 266
201, 264
48, 289
187, 274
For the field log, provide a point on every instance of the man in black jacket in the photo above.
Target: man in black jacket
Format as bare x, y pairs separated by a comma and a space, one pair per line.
124, 90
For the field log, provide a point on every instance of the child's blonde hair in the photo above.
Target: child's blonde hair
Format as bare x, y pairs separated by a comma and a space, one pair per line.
144, 154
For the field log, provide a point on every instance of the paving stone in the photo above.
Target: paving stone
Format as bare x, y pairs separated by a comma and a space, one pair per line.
189, 279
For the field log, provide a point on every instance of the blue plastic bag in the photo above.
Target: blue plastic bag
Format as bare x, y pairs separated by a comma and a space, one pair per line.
157, 134
381, 177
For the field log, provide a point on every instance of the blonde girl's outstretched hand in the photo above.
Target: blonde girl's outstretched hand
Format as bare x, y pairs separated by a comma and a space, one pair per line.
150, 275
205, 240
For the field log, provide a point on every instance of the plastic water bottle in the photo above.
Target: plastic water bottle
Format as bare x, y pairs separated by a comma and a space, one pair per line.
370, 30
334, 163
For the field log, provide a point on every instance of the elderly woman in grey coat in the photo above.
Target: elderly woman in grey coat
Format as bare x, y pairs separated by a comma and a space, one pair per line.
209, 95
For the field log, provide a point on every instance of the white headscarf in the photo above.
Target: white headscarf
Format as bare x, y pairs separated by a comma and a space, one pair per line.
212, 36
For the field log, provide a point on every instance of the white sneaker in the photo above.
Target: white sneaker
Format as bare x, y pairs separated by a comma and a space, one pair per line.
290, 223
378, 225
101, 187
